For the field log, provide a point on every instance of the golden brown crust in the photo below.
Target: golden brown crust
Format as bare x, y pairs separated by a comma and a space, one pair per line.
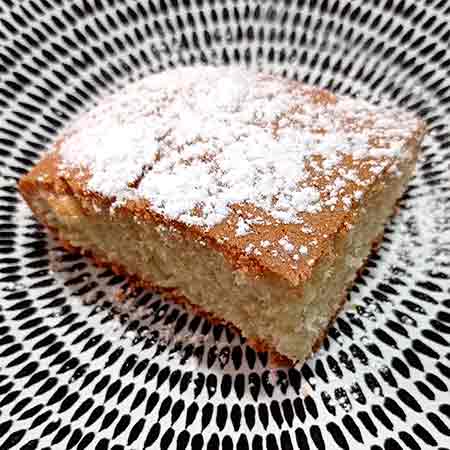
308, 110
327, 225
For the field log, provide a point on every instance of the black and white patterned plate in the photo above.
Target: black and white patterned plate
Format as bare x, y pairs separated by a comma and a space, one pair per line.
78, 369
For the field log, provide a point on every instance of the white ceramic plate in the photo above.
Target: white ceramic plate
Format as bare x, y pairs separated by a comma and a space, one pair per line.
78, 370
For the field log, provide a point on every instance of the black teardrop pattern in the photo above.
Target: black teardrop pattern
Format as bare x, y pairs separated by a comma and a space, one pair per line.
79, 370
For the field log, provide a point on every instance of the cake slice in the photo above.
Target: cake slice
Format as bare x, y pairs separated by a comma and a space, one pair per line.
248, 197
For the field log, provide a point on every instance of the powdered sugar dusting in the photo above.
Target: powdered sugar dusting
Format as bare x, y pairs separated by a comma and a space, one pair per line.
303, 250
122, 149
286, 244
195, 141
242, 227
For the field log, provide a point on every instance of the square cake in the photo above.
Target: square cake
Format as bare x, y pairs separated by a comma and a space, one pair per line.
250, 198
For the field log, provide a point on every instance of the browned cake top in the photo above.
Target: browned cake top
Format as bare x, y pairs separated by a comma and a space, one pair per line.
268, 167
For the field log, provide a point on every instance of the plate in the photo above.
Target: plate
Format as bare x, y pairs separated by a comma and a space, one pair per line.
86, 362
